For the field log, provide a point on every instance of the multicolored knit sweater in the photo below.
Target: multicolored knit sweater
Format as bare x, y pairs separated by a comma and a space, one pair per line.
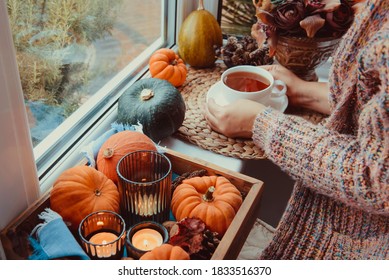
339, 208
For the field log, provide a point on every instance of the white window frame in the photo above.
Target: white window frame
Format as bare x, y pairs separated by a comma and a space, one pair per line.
21, 182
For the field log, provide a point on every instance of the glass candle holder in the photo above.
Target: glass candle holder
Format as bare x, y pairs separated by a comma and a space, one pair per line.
144, 186
102, 235
144, 237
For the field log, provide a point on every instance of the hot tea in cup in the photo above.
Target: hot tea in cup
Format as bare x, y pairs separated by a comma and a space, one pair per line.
249, 82
246, 81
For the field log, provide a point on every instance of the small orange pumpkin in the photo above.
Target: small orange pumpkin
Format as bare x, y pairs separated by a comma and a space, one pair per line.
167, 65
117, 146
213, 199
166, 252
81, 190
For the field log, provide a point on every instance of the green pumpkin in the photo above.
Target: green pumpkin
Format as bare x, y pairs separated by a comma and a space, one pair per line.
200, 33
154, 103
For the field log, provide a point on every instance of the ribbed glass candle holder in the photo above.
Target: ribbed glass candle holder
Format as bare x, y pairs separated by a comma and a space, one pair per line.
102, 235
145, 187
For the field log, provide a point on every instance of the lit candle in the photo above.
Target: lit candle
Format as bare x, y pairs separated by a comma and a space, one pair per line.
102, 234
103, 238
100, 239
146, 239
147, 205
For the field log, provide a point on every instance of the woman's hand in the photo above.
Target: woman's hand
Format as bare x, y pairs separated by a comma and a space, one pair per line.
310, 95
294, 84
235, 120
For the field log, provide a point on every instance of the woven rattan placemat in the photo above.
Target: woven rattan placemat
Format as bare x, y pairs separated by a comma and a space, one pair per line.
195, 128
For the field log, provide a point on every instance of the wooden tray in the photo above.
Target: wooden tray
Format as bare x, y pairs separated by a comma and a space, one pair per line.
14, 236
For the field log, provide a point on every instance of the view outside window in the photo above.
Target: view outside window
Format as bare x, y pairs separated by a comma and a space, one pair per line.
68, 49
237, 17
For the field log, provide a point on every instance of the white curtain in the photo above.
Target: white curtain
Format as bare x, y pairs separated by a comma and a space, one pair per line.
19, 185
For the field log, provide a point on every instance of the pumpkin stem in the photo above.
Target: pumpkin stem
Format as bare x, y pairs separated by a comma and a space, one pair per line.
97, 192
208, 196
146, 94
108, 153
201, 5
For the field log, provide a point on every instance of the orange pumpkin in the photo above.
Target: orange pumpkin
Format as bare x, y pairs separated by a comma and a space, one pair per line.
166, 252
213, 199
117, 146
165, 64
81, 190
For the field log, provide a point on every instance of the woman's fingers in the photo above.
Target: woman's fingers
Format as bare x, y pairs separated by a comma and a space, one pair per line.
211, 110
234, 120
268, 67
273, 69
211, 106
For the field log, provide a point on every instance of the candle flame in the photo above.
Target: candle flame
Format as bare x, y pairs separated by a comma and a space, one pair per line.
146, 243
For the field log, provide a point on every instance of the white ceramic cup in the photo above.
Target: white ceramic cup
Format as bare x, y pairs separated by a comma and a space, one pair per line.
274, 95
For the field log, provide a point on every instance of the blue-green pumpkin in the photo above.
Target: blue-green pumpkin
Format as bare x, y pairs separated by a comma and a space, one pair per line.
154, 103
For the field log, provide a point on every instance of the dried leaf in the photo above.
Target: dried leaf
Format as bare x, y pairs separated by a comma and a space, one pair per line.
188, 234
265, 17
169, 225
329, 5
312, 24
258, 34
262, 4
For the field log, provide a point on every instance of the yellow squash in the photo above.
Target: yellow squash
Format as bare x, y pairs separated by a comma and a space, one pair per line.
199, 35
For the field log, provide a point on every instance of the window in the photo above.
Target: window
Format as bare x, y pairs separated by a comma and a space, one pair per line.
237, 17
67, 50
74, 58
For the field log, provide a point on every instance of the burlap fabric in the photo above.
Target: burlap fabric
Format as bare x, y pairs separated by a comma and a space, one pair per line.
195, 128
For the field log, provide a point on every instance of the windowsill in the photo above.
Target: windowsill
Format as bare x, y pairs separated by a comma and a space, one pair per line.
260, 169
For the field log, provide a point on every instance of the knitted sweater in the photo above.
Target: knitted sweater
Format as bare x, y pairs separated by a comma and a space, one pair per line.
339, 208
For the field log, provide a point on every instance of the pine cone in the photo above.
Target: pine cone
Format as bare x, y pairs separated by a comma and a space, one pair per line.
210, 243
192, 235
243, 52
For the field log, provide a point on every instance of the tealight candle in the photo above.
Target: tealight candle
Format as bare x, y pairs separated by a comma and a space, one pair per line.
101, 239
146, 239
102, 235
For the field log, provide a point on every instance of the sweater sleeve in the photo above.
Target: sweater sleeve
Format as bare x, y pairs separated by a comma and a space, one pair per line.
352, 169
